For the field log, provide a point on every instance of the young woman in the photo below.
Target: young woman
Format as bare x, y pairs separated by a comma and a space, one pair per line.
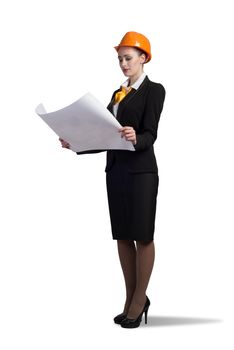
132, 176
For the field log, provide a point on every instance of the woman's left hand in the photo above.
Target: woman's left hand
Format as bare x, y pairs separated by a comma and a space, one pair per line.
129, 133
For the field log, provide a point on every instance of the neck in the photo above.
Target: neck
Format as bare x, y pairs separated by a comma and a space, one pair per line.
134, 78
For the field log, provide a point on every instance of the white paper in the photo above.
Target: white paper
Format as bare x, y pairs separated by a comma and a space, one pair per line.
87, 125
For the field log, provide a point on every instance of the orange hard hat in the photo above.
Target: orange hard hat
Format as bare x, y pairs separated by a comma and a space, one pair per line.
137, 40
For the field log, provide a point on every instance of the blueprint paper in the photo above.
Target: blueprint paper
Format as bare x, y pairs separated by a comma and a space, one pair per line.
87, 125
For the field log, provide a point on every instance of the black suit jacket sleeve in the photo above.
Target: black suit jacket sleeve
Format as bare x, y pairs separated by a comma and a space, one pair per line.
91, 151
151, 116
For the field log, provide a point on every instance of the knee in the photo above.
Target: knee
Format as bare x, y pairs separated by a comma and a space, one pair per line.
144, 243
125, 241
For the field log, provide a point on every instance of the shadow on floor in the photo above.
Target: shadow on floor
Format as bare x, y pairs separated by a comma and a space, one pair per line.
161, 321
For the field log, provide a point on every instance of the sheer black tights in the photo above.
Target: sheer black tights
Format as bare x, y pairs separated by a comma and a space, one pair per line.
137, 262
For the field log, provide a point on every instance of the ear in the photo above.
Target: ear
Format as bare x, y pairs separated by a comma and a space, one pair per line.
143, 58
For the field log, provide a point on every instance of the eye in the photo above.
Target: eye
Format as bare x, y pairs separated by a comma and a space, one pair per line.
127, 59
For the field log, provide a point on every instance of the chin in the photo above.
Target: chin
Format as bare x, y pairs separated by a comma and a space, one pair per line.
127, 74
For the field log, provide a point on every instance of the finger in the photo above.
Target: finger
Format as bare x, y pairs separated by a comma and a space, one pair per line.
126, 128
128, 131
129, 134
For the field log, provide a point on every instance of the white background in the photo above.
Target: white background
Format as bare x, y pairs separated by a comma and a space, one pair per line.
61, 281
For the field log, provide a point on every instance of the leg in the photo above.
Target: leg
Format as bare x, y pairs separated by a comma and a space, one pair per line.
127, 256
144, 263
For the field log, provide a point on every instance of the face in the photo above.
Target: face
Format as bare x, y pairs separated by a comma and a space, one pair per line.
130, 61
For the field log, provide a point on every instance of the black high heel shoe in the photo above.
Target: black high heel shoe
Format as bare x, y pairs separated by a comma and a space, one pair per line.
119, 318
133, 323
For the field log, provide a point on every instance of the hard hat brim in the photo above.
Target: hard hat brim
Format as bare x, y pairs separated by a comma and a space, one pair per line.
148, 58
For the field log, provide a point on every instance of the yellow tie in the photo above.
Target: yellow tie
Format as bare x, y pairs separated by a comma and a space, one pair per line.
121, 94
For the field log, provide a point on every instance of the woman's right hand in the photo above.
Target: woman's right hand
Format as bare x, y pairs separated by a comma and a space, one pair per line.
64, 143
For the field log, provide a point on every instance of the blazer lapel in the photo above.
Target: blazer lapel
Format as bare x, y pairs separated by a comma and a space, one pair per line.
129, 97
124, 102
126, 99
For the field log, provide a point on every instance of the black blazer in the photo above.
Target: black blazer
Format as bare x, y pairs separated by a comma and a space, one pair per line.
140, 109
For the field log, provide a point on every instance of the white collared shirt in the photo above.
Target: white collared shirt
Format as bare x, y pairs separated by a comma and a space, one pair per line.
134, 86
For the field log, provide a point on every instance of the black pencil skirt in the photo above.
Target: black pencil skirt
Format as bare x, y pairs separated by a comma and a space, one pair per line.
132, 199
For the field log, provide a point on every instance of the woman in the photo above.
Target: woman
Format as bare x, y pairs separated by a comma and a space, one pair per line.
132, 176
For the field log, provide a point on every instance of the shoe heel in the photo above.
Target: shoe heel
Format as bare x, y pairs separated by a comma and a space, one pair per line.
146, 312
